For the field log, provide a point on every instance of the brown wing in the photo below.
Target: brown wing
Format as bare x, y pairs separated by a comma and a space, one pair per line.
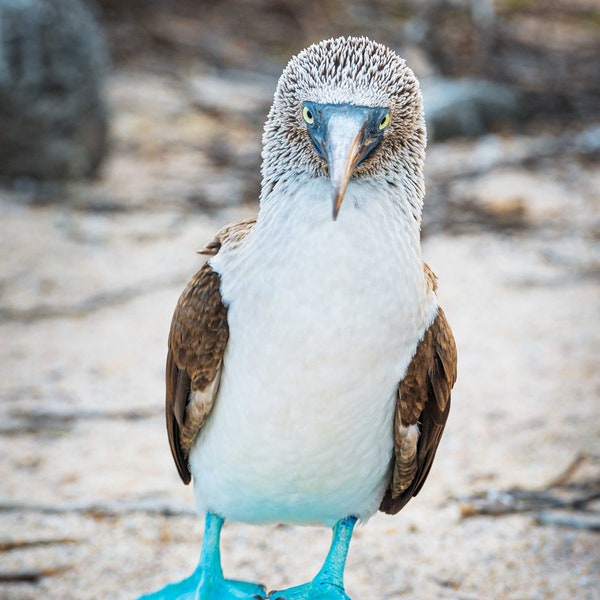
423, 399
197, 342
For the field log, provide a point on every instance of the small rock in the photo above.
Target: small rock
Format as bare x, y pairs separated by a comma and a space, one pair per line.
467, 107
53, 119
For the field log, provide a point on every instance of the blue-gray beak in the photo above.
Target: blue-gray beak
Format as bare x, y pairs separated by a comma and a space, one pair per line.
344, 135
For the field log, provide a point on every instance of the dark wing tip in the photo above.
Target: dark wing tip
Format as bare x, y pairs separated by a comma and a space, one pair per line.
178, 384
180, 461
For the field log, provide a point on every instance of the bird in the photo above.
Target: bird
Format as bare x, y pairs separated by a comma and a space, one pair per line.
310, 366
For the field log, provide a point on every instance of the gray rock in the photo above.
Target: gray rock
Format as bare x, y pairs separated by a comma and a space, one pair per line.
467, 107
53, 118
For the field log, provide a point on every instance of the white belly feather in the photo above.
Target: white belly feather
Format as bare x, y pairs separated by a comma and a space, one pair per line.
324, 318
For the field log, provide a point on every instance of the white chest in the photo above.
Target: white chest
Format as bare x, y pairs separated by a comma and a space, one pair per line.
324, 317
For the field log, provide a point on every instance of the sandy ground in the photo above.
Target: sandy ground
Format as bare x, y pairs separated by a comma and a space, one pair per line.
91, 504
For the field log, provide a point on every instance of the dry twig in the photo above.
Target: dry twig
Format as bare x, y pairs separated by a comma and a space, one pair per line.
561, 502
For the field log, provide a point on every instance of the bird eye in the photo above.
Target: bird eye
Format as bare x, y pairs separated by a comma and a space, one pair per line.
384, 122
307, 115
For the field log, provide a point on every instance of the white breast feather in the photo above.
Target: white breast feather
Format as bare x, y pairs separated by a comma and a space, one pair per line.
324, 318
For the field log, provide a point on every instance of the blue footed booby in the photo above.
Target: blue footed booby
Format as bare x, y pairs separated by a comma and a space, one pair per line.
309, 366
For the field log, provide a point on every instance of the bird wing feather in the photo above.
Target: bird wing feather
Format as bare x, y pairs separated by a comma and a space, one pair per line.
423, 402
197, 341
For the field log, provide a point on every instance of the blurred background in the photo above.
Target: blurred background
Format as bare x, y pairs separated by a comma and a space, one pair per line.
130, 132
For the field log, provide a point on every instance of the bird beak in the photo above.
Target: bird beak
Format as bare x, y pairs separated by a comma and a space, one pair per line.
344, 148
344, 134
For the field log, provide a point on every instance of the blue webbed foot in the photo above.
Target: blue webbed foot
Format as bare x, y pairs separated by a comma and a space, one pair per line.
207, 582
184, 590
201, 587
313, 590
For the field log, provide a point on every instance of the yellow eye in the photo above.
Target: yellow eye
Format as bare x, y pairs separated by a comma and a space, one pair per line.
384, 122
307, 115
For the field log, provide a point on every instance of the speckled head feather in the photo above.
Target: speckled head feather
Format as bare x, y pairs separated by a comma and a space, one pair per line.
353, 70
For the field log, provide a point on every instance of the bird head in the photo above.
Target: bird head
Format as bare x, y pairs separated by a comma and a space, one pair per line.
347, 108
